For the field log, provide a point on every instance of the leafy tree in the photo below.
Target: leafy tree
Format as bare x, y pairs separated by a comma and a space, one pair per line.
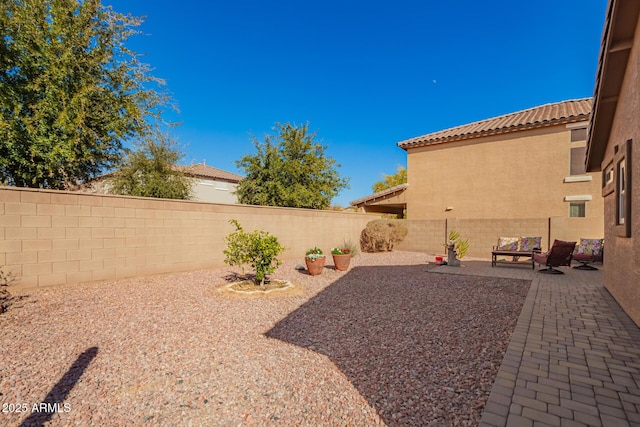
150, 171
400, 177
290, 169
70, 91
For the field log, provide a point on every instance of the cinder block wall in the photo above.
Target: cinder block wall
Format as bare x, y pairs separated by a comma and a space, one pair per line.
55, 237
428, 236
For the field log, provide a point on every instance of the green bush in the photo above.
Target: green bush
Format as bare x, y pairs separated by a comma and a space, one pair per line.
258, 249
381, 234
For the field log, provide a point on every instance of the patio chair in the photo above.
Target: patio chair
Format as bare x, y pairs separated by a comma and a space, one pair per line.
588, 251
560, 254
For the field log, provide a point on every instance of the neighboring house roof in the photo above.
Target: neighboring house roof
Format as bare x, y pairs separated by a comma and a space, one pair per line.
201, 170
380, 194
546, 115
617, 41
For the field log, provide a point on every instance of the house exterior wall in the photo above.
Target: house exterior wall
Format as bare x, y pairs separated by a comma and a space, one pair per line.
622, 270
214, 191
55, 237
524, 174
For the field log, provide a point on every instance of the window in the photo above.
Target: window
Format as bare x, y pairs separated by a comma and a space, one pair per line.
608, 176
578, 155
622, 190
621, 160
578, 134
577, 210
608, 180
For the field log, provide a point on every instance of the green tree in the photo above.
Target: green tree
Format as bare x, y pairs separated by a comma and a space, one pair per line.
70, 91
290, 169
400, 177
150, 171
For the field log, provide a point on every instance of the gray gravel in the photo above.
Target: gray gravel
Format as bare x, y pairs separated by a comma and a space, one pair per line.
385, 343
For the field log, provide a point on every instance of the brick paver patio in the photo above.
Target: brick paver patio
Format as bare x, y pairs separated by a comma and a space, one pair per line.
573, 359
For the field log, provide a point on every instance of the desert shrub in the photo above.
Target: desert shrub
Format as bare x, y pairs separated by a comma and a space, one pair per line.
381, 234
258, 249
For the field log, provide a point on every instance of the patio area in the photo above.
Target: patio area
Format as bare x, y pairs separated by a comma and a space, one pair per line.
574, 357
393, 341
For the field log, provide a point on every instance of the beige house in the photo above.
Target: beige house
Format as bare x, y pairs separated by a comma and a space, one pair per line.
614, 149
209, 184
212, 184
528, 164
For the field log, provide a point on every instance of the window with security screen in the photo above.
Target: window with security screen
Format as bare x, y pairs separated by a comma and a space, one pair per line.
578, 155
578, 135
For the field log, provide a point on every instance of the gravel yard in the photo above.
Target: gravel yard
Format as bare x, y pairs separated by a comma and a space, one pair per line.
386, 343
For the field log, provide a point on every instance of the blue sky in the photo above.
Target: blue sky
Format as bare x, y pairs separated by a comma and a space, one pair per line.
364, 74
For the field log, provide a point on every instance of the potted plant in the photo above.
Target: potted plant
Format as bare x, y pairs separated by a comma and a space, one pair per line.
315, 261
342, 255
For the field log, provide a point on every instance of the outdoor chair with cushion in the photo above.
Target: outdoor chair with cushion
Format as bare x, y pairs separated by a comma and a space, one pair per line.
588, 251
560, 254
515, 247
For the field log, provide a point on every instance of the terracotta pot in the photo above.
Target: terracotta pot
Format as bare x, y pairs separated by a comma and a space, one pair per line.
315, 267
341, 261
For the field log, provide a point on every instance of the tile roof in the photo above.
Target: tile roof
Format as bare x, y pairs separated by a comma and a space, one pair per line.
200, 170
546, 115
379, 194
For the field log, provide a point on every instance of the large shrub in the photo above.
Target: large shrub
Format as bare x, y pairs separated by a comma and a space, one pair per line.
258, 249
381, 234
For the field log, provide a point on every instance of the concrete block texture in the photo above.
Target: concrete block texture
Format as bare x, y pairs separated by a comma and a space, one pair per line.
56, 237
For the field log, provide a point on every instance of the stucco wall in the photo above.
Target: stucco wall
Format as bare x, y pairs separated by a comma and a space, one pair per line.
622, 273
514, 175
53, 237
211, 191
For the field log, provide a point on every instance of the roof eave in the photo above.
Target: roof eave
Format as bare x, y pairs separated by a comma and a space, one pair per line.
617, 41
389, 192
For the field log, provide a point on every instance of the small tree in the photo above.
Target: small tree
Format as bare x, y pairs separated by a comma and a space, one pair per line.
400, 177
150, 171
291, 170
259, 249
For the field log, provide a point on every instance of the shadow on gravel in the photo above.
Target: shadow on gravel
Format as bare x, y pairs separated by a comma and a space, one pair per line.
54, 401
420, 347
